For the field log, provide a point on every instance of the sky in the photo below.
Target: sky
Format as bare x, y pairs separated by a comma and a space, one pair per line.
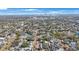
38, 11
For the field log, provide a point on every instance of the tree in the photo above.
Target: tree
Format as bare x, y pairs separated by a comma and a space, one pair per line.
25, 44
17, 35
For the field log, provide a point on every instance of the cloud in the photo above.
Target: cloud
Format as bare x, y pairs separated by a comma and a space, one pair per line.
64, 12
31, 10
3, 8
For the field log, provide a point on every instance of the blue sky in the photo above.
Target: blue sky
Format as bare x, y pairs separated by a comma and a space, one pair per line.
38, 11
